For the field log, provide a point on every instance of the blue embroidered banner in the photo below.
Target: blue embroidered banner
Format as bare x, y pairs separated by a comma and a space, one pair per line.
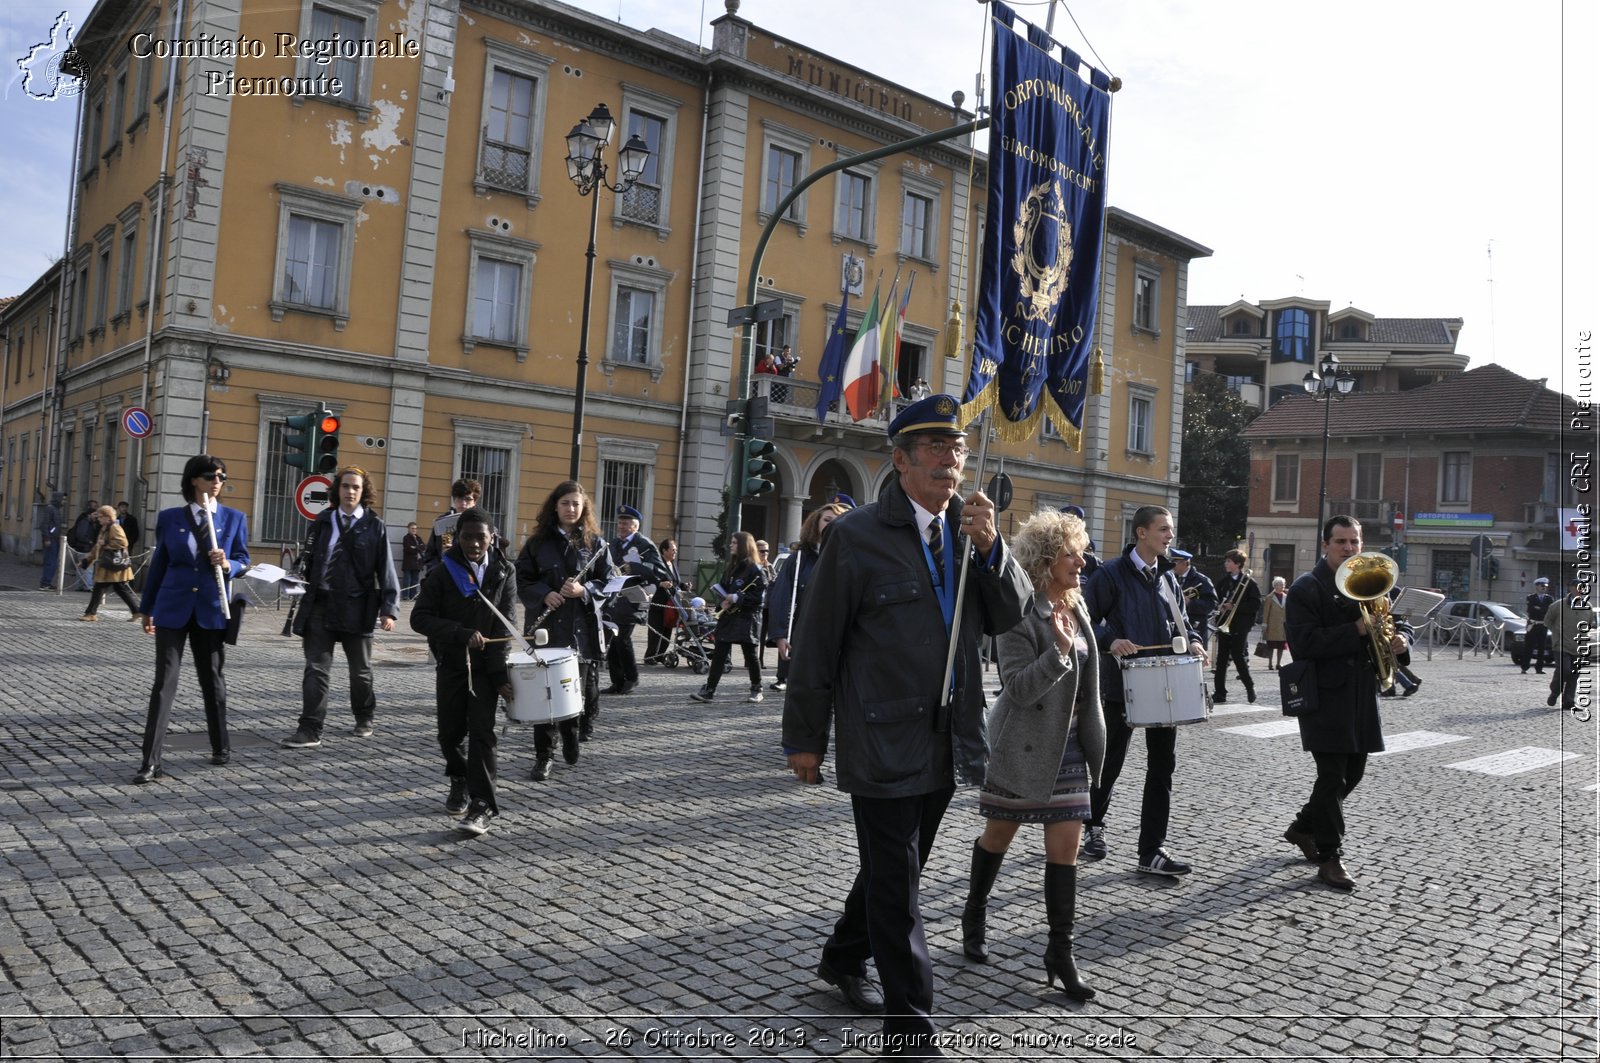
1040, 286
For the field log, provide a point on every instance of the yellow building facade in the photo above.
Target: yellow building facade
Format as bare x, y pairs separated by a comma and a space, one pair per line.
367, 203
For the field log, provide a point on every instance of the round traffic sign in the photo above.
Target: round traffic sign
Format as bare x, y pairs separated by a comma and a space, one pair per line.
313, 495
136, 422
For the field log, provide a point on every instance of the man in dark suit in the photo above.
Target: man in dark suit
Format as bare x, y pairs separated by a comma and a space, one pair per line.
351, 589
1331, 631
637, 556
869, 669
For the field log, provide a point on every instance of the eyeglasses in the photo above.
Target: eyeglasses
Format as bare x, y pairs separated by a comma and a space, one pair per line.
219, 477
942, 449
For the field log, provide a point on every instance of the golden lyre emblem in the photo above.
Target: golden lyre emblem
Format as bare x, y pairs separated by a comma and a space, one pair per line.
1042, 265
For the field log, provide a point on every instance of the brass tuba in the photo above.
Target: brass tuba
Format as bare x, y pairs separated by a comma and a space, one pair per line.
1367, 579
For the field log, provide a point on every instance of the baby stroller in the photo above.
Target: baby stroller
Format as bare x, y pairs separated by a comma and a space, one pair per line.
689, 627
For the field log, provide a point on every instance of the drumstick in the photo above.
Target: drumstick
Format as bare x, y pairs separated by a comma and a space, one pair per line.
222, 582
1177, 645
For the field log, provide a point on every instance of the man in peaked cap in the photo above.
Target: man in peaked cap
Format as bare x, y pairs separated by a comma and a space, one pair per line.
1199, 593
868, 665
637, 556
1539, 603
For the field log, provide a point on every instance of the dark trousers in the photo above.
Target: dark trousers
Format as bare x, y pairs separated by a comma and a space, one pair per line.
621, 664
1565, 681
99, 595
52, 558
1233, 646
1161, 760
410, 584
468, 718
882, 917
207, 647
1323, 815
1538, 646
544, 734
721, 651
318, 645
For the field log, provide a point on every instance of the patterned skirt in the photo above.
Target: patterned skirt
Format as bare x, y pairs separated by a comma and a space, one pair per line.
1069, 800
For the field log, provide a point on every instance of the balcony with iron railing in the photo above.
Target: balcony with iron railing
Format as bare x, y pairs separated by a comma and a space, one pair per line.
504, 165
642, 203
795, 402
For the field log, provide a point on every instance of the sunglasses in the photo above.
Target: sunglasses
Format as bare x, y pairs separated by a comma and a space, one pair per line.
218, 477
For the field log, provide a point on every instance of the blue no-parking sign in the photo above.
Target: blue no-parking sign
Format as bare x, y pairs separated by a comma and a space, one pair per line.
136, 422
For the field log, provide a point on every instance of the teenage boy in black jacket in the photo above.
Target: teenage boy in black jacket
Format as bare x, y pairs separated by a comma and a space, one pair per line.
471, 672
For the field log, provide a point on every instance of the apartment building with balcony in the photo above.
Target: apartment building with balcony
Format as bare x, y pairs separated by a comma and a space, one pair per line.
1265, 349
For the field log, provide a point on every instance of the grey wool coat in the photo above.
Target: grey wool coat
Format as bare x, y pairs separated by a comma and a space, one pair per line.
1029, 722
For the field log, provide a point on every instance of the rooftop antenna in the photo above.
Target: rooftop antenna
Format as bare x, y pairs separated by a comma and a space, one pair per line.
1302, 279
1493, 355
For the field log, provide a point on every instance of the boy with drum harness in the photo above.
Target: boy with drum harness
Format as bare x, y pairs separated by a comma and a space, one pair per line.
462, 630
1136, 606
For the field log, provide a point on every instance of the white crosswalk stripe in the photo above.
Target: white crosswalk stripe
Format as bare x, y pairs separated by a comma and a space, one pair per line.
1514, 761
1275, 729
1406, 741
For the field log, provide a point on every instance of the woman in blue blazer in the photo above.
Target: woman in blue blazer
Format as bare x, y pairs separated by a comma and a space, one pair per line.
182, 603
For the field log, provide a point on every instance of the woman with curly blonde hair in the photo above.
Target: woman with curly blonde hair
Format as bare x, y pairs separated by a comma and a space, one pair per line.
1047, 740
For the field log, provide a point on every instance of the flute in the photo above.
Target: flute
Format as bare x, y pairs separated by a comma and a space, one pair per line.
222, 581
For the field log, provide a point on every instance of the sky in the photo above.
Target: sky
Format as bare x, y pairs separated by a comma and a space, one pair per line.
1413, 158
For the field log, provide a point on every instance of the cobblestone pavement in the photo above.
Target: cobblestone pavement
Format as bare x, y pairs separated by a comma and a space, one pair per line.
667, 897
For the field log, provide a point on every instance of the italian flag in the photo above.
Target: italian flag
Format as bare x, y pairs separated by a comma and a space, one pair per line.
860, 373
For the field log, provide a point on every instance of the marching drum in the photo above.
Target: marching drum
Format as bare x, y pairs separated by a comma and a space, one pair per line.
545, 686
1164, 691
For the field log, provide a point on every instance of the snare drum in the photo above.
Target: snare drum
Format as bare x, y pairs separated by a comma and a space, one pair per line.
1164, 691
545, 687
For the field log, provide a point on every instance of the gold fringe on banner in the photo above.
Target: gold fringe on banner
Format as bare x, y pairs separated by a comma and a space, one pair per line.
971, 411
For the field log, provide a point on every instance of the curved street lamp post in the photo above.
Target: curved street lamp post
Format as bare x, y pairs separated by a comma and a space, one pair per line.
587, 169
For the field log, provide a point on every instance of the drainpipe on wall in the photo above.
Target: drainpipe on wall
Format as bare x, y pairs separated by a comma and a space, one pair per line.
157, 240
694, 287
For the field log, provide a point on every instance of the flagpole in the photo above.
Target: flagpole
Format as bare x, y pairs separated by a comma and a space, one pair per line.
942, 722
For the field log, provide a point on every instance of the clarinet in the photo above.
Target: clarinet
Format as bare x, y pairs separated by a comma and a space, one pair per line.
602, 548
302, 563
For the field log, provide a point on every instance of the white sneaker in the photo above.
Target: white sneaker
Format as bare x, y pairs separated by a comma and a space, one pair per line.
756, 695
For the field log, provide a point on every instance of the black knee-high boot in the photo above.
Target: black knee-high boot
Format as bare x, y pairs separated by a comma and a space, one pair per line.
1060, 905
985, 866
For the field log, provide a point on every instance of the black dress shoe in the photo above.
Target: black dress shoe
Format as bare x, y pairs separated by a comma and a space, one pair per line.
628, 688
857, 989
148, 773
222, 758
614, 688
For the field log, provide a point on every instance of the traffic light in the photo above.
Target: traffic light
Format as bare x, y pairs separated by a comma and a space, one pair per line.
758, 467
326, 433
300, 440
1398, 552
1490, 567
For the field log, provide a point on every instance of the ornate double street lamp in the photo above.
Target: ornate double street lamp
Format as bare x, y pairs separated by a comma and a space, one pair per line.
1333, 384
587, 169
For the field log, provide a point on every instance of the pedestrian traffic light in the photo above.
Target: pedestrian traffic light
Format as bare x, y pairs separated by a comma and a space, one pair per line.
326, 433
300, 440
758, 467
